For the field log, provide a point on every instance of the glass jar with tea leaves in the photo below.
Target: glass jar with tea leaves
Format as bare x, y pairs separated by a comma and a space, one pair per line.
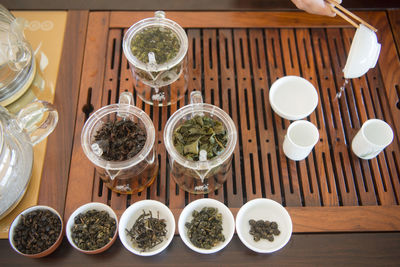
119, 140
200, 139
156, 51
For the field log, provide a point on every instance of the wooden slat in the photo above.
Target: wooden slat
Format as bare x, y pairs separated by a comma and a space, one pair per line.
121, 19
307, 69
247, 138
81, 176
345, 219
227, 66
338, 219
53, 187
265, 134
389, 64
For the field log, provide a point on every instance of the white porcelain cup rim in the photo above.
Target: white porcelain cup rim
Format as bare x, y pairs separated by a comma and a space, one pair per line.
388, 138
312, 127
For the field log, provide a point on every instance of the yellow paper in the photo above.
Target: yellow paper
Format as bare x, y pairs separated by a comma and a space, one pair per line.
45, 32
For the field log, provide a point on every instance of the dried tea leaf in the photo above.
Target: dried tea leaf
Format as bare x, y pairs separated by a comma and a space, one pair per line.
263, 230
205, 229
162, 41
147, 232
120, 139
37, 231
93, 229
200, 133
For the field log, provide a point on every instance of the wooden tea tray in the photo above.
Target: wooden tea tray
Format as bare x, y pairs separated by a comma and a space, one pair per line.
234, 57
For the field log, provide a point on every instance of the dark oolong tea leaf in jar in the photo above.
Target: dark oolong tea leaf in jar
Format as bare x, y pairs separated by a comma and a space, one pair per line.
161, 41
148, 231
200, 133
120, 140
205, 229
37, 231
93, 229
263, 230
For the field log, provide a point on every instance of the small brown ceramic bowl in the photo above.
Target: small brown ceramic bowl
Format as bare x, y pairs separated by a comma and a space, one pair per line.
83, 209
17, 221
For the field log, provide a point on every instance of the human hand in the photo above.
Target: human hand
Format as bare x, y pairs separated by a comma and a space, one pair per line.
319, 7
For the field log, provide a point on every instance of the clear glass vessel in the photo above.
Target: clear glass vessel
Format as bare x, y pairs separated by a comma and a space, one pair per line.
17, 64
203, 176
18, 135
127, 176
156, 50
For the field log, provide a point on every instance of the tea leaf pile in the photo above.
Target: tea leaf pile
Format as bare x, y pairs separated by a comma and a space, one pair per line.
162, 41
205, 229
120, 140
93, 229
147, 232
37, 231
200, 133
263, 230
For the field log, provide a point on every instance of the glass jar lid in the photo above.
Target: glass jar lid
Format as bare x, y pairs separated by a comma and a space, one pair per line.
155, 44
123, 111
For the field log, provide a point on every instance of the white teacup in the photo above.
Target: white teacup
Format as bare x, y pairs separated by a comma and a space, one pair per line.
363, 54
372, 138
300, 139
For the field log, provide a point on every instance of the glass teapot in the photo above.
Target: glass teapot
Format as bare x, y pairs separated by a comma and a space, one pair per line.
156, 50
129, 175
18, 135
17, 66
207, 173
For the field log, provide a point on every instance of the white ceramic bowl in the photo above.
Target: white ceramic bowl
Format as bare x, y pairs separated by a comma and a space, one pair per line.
130, 216
228, 223
16, 222
82, 209
363, 54
293, 97
263, 209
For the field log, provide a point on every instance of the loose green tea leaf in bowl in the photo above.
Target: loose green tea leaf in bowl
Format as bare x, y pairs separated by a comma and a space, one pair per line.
148, 231
200, 133
263, 230
93, 229
162, 41
120, 139
205, 229
37, 231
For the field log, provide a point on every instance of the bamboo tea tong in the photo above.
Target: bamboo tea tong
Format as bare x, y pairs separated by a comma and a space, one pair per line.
337, 8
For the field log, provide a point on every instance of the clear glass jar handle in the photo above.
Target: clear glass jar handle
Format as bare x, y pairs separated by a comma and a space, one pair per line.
196, 97
125, 101
38, 119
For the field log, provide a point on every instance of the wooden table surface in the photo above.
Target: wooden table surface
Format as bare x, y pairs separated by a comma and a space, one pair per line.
366, 242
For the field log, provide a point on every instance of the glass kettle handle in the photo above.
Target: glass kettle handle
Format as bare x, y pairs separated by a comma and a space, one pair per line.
38, 119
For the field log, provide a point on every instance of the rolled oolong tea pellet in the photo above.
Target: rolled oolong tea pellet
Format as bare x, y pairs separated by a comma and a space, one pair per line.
263, 230
36, 231
205, 229
93, 229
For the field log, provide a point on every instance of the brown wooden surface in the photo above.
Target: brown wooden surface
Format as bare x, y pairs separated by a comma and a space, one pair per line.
360, 249
234, 67
322, 249
54, 181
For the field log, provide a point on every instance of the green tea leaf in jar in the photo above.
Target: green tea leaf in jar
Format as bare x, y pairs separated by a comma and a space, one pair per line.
200, 133
162, 41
